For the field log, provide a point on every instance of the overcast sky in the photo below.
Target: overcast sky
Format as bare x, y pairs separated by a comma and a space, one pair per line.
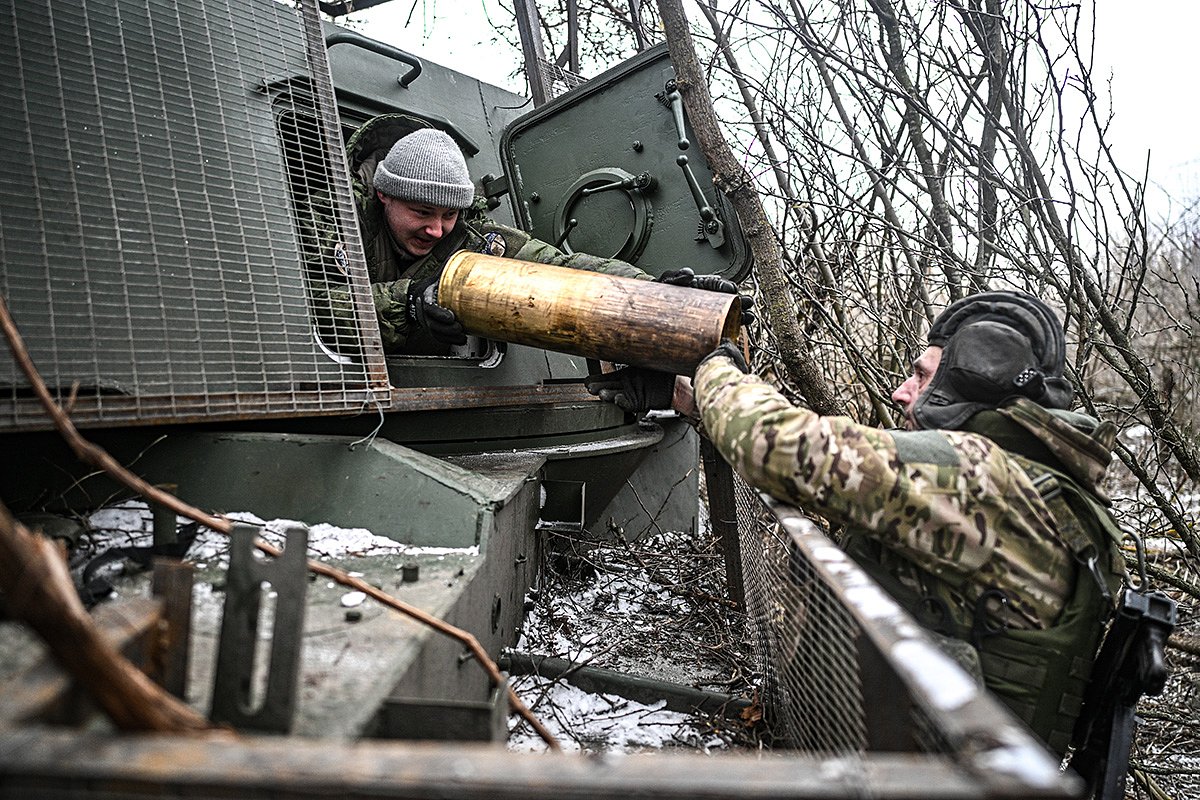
1148, 47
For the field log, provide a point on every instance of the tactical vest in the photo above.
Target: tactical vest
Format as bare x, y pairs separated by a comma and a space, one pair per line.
1039, 674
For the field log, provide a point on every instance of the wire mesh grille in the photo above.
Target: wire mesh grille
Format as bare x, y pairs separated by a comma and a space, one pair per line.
805, 640
556, 79
176, 229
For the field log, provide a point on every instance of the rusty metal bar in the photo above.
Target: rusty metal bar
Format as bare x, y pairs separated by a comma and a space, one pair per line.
28, 415
172, 581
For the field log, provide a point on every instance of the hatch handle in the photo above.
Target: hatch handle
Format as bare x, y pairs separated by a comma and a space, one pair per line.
634, 183
567, 228
385, 50
674, 101
711, 227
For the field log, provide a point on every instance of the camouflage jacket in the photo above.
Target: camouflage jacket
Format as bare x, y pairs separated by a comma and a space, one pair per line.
978, 525
391, 271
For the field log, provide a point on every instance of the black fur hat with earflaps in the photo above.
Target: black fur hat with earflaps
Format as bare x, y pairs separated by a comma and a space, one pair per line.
996, 346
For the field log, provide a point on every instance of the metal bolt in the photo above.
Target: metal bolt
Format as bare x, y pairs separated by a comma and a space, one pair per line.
409, 573
535, 198
638, 147
353, 615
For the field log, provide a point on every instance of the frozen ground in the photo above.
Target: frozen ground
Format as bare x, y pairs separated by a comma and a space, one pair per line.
651, 609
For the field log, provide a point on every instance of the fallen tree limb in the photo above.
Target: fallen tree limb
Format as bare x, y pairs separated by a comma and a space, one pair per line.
38, 590
97, 457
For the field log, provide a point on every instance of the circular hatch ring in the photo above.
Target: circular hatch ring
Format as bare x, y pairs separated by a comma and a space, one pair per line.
643, 211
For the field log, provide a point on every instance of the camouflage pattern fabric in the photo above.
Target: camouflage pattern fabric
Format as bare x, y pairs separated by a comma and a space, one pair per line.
975, 521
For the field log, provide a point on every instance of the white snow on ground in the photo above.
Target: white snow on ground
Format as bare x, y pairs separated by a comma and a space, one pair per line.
131, 523
582, 721
577, 719
621, 609
578, 626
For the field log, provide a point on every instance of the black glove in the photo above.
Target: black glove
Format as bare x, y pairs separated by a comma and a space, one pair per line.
728, 350
424, 312
634, 389
709, 283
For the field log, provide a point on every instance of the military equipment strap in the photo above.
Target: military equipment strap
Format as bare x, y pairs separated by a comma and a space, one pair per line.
1040, 674
1069, 504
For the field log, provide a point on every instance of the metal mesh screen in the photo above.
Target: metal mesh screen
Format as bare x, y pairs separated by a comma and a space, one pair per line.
556, 79
805, 641
176, 231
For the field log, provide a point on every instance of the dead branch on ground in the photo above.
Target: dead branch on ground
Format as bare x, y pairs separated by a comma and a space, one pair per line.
38, 590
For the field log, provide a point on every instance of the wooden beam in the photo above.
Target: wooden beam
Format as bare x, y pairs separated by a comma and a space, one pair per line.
41, 763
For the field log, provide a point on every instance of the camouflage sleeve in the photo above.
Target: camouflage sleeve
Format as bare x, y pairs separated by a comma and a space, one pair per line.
336, 322
945, 518
544, 253
391, 309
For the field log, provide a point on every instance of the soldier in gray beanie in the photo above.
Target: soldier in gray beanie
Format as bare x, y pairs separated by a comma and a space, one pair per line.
417, 206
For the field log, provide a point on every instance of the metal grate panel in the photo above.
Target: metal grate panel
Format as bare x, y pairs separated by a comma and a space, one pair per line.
176, 230
558, 80
805, 641
847, 671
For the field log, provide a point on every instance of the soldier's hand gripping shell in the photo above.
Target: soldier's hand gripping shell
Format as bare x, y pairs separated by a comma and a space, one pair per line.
727, 349
424, 312
634, 389
709, 283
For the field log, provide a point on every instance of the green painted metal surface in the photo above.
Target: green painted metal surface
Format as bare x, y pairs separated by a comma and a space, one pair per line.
171, 263
388, 489
565, 159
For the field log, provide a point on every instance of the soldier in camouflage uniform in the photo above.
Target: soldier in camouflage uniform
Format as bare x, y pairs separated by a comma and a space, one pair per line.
416, 207
984, 519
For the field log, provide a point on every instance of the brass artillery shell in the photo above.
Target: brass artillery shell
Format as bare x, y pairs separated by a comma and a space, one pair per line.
624, 320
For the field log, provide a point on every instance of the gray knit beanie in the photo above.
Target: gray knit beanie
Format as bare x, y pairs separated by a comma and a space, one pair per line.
426, 166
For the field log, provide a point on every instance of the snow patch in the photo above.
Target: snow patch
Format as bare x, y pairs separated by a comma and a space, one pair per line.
132, 524
583, 721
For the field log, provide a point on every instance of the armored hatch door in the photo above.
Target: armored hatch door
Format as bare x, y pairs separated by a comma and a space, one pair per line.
612, 169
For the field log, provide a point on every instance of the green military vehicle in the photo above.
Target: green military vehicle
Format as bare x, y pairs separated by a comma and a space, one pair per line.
171, 174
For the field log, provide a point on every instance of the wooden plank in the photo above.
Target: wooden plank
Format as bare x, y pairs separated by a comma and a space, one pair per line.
54, 764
